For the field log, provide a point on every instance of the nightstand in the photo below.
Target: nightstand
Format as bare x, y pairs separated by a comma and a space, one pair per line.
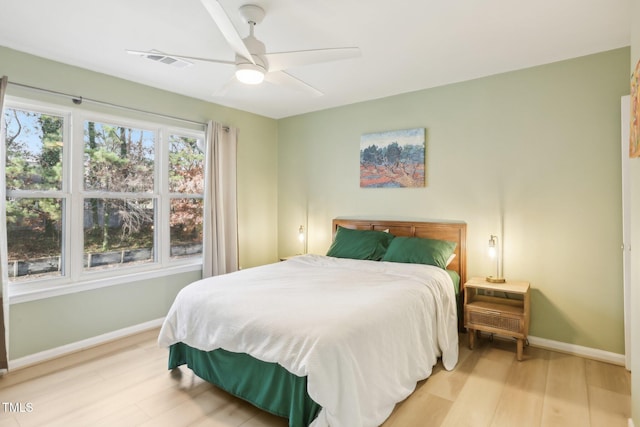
500, 308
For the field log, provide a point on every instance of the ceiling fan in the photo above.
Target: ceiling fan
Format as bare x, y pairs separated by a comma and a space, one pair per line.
253, 64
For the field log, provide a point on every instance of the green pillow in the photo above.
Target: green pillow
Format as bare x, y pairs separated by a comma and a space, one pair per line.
416, 250
360, 244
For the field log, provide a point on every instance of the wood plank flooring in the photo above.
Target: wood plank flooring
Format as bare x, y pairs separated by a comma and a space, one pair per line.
126, 383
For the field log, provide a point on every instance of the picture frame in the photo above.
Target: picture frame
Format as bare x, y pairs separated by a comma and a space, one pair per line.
393, 159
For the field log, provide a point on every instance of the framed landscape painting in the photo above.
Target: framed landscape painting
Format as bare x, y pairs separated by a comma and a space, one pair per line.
393, 159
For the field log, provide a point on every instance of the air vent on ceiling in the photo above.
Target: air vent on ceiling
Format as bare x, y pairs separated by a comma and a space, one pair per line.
157, 56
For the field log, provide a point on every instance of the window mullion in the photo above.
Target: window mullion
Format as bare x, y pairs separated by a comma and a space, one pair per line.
76, 231
67, 213
162, 189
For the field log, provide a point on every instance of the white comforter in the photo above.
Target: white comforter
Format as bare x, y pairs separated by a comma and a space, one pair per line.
363, 332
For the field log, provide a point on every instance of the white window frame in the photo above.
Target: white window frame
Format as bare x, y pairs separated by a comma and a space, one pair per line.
165, 187
76, 278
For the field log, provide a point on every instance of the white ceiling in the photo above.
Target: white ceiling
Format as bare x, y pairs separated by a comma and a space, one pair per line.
406, 45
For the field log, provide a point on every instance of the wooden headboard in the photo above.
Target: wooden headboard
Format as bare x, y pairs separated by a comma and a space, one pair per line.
451, 231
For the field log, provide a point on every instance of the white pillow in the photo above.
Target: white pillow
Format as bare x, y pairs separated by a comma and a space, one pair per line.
450, 259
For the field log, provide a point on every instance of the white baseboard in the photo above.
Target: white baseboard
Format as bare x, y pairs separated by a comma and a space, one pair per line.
578, 350
32, 359
42, 356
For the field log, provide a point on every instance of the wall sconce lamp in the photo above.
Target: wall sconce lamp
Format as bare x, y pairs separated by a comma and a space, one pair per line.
301, 237
494, 253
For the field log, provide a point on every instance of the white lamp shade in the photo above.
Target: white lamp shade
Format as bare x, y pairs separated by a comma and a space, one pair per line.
492, 252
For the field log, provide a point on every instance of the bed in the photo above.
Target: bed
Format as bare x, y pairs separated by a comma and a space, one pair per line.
328, 340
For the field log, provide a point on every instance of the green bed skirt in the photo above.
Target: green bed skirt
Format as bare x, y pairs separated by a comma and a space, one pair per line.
266, 385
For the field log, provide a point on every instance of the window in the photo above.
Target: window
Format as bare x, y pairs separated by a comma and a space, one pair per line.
112, 197
119, 203
186, 187
35, 198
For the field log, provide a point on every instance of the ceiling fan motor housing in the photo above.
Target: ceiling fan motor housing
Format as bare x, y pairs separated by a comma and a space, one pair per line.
256, 70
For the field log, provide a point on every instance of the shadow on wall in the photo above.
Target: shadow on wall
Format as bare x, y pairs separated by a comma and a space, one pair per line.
548, 321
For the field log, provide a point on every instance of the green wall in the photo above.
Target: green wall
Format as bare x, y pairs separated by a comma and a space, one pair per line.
531, 155
48, 323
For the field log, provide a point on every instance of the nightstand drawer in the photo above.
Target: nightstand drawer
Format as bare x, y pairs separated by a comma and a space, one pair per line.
481, 317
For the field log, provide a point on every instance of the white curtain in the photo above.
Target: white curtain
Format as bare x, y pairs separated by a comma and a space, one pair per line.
4, 278
220, 239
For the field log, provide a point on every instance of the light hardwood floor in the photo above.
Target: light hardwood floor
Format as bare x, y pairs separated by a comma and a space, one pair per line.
126, 383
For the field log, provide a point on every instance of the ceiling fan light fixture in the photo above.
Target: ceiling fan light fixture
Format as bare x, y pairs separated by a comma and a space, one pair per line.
251, 74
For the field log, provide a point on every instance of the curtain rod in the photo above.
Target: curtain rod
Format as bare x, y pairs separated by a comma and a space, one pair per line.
79, 100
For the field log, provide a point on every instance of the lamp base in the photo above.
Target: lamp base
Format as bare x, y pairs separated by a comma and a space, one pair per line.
492, 279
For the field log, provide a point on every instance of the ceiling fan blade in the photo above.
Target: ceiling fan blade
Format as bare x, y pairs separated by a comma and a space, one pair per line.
227, 29
155, 53
286, 79
283, 60
222, 90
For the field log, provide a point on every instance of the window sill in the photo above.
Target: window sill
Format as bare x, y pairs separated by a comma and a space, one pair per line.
20, 293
